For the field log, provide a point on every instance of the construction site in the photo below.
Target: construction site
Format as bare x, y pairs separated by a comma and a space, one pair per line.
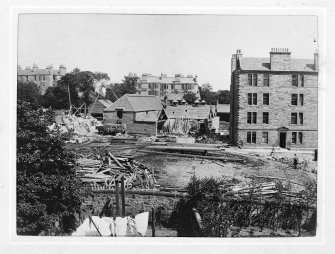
125, 172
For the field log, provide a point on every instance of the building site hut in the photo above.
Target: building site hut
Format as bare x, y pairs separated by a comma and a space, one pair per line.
142, 114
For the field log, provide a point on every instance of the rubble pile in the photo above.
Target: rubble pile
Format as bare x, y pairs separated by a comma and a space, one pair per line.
102, 173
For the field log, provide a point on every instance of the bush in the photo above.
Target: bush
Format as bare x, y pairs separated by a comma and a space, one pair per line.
47, 189
219, 216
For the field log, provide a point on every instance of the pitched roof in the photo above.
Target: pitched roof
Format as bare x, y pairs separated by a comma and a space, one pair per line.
223, 108
263, 64
31, 72
106, 103
147, 116
136, 103
188, 112
174, 96
167, 80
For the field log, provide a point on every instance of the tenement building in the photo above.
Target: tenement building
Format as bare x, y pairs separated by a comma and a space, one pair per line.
162, 85
43, 78
274, 100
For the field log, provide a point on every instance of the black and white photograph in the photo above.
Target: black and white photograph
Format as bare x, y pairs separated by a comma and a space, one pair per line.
167, 125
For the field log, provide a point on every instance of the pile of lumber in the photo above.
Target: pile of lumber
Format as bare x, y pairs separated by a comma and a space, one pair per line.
201, 151
105, 172
266, 191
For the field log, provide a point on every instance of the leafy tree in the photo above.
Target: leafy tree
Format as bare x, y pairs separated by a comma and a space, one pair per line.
224, 96
80, 85
207, 94
75, 70
101, 75
190, 98
28, 91
128, 86
47, 188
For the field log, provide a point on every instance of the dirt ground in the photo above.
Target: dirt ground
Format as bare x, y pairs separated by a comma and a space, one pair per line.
175, 172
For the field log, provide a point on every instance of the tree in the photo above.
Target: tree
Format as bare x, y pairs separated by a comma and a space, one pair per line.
128, 86
47, 188
101, 75
80, 85
224, 96
29, 92
190, 98
207, 94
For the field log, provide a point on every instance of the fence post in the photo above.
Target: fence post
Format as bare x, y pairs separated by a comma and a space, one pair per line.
153, 222
123, 199
117, 198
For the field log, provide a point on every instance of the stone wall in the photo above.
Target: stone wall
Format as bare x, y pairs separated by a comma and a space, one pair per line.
128, 118
280, 91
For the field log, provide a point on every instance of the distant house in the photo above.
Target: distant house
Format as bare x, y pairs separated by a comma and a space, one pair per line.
142, 114
162, 85
43, 78
96, 109
182, 119
223, 111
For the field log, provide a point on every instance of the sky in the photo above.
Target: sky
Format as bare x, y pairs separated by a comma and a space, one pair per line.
200, 45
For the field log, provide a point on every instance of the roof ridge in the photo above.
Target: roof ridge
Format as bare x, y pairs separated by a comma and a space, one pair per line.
130, 102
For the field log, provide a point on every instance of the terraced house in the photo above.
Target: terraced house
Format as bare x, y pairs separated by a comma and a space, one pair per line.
43, 78
162, 85
274, 100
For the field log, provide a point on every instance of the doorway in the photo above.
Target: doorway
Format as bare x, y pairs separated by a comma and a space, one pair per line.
282, 139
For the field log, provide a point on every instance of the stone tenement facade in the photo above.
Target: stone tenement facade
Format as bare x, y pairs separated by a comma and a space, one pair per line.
274, 101
43, 78
163, 85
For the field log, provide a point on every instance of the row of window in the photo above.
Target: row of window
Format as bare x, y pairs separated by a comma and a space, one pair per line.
296, 99
166, 86
296, 118
252, 79
252, 99
36, 78
297, 137
252, 117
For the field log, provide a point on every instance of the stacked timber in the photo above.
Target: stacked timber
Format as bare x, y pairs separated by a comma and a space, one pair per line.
201, 151
104, 173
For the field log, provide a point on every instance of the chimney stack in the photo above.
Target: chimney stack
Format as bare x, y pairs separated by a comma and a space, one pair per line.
316, 61
280, 59
35, 67
234, 59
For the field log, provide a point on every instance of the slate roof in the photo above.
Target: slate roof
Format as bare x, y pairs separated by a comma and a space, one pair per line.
223, 108
174, 96
136, 103
167, 80
188, 112
106, 103
263, 64
147, 116
37, 72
